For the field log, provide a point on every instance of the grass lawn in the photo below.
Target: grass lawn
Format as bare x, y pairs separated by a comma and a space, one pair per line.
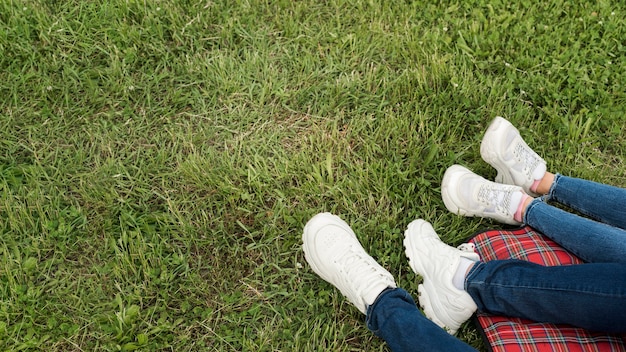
158, 159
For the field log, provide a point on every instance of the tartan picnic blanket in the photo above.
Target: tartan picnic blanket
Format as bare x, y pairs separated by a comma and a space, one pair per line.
505, 334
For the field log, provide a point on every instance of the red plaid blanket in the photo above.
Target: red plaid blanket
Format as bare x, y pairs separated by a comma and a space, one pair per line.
504, 334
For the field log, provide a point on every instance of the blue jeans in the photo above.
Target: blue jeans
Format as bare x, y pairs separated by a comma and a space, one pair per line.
394, 317
591, 296
601, 238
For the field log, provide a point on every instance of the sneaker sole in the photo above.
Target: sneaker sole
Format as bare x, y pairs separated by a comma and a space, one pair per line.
425, 291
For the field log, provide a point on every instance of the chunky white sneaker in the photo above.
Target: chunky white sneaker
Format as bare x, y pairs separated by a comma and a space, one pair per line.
468, 194
335, 254
503, 148
437, 263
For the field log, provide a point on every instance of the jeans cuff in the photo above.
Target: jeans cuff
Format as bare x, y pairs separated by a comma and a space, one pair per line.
553, 186
369, 309
477, 266
542, 199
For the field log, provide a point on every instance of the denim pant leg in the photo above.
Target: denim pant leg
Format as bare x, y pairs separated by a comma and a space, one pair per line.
394, 317
590, 296
601, 202
590, 240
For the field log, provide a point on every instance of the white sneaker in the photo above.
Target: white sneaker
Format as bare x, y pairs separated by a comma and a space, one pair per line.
468, 194
437, 263
335, 254
504, 149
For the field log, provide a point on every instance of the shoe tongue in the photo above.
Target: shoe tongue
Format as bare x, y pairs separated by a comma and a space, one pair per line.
531, 162
516, 198
500, 196
367, 278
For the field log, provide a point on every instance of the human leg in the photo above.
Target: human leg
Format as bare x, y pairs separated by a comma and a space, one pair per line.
335, 254
591, 241
394, 317
468, 194
443, 303
517, 164
602, 202
590, 296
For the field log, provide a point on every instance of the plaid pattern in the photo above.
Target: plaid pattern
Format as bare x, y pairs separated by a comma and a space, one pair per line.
504, 334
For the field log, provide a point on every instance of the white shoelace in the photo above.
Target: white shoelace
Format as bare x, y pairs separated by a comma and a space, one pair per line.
361, 271
527, 157
497, 195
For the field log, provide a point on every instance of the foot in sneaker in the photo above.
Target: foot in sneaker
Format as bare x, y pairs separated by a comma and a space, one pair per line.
468, 194
437, 263
504, 149
335, 254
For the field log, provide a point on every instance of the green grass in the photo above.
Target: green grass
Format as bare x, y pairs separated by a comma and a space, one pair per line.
158, 159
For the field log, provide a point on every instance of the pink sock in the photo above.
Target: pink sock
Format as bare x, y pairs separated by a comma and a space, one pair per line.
518, 213
534, 186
